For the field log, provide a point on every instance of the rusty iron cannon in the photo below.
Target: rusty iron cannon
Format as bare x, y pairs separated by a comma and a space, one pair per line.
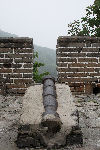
50, 117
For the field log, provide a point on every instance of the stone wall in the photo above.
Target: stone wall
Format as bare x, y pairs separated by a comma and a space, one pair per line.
16, 65
78, 63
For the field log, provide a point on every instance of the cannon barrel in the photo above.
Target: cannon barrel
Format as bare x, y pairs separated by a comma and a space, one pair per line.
50, 117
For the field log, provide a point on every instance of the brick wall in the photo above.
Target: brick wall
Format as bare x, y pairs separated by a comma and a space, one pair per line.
78, 62
16, 65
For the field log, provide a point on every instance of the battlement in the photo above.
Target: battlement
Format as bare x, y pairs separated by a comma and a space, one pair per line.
16, 65
78, 62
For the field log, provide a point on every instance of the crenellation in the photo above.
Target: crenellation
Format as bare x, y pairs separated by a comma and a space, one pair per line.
78, 61
16, 63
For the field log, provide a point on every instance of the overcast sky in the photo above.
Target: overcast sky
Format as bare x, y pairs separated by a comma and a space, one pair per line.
43, 20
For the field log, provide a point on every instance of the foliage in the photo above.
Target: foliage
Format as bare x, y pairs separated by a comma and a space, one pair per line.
88, 25
36, 65
48, 57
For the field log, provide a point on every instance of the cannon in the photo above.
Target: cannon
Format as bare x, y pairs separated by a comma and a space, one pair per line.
50, 118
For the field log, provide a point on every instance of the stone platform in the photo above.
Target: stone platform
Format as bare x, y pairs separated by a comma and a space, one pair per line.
33, 134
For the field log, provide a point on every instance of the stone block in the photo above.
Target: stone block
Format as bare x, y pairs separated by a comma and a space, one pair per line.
32, 116
88, 88
88, 60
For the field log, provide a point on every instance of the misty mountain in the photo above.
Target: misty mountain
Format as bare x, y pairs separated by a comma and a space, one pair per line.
46, 56
6, 34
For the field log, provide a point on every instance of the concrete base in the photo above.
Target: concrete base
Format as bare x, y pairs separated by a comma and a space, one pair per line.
33, 134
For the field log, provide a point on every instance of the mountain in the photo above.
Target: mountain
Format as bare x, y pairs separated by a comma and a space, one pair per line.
6, 34
46, 56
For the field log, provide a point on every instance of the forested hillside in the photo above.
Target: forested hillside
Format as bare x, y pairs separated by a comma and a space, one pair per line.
48, 57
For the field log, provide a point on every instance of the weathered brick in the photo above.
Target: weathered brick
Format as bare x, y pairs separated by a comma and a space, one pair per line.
88, 88
73, 74
78, 39
90, 49
65, 49
18, 75
78, 93
7, 65
63, 80
1, 65
98, 85
93, 55
76, 84
24, 60
72, 89
6, 50
66, 60
16, 40
1, 75
27, 75
16, 86
88, 44
5, 70
15, 45
77, 89
93, 65
19, 81
99, 59
21, 91
11, 65
1, 55
23, 51
71, 44
83, 65
77, 65
94, 74
97, 70
72, 55
7, 80
1, 92
1, 80
95, 44
22, 70
28, 65
62, 64
6, 60
87, 60
76, 55
16, 91
16, 65
18, 55
75, 69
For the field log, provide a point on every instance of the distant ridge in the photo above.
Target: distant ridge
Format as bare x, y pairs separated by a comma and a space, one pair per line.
6, 34
46, 56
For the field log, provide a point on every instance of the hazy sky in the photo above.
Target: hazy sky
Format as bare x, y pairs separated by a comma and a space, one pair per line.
43, 20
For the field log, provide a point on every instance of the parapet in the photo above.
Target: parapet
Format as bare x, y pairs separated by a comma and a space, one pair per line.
78, 63
16, 65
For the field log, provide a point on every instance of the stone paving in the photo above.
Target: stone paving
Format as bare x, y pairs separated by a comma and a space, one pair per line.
89, 121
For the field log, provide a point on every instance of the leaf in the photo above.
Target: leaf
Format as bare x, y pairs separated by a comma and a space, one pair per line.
36, 65
88, 25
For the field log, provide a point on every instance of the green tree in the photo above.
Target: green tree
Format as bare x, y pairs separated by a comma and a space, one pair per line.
88, 25
36, 76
